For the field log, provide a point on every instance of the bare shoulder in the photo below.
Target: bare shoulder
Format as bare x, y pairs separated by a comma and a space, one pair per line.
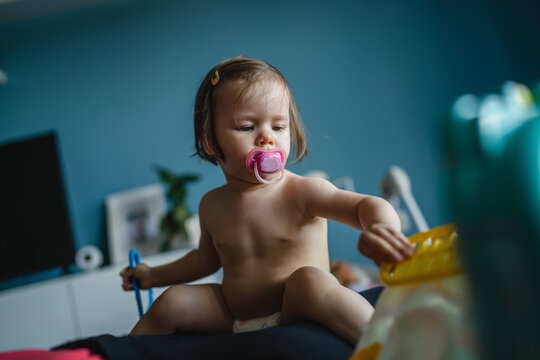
311, 186
209, 199
310, 192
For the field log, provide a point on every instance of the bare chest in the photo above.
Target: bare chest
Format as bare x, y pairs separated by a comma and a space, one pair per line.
260, 227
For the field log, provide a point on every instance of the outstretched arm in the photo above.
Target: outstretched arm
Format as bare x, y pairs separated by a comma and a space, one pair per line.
381, 239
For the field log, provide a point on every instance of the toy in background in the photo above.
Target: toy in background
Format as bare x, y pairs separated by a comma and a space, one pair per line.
178, 225
493, 143
395, 186
357, 277
424, 312
343, 272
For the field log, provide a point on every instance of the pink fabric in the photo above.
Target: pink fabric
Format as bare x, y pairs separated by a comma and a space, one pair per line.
38, 354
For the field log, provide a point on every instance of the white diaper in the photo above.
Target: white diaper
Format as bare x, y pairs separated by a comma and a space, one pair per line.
255, 324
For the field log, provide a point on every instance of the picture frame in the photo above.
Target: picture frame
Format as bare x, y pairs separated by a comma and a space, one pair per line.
133, 221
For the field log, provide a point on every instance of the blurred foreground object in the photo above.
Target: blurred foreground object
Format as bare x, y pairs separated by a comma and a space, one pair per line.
424, 312
493, 143
3, 78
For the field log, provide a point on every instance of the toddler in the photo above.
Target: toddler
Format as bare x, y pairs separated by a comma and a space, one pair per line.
266, 227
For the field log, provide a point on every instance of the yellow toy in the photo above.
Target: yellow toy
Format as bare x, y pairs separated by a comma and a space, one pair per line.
435, 257
424, 312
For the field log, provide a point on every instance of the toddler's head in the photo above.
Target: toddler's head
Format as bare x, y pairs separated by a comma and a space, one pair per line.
244, 72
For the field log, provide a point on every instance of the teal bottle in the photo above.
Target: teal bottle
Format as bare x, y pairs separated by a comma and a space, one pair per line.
493, 143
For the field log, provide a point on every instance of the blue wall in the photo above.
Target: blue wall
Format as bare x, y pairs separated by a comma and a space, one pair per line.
373, 79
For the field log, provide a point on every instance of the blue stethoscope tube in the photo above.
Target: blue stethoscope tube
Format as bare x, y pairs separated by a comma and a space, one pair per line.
135, 259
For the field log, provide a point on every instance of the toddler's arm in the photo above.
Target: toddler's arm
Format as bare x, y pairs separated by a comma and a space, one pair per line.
197, 264
381, 239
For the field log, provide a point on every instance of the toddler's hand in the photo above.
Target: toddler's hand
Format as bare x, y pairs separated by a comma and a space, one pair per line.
140, 272
383, 243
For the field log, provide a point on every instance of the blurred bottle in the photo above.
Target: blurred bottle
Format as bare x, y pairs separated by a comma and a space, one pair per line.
494, 154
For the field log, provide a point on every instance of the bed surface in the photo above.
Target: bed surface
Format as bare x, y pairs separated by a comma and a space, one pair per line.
302, 340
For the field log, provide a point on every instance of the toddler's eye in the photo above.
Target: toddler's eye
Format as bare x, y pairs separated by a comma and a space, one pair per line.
245, 128
278, 128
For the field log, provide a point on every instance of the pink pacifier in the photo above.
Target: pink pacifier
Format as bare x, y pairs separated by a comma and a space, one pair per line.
266, 162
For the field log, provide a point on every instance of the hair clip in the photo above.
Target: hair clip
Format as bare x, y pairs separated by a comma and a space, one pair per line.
215, 78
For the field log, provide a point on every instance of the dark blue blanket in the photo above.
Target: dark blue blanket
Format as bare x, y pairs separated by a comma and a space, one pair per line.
295, 341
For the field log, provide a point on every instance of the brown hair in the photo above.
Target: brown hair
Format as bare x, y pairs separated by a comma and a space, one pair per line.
248, 71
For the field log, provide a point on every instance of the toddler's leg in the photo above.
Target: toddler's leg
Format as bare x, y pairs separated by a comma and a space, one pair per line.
314, 294
187, 308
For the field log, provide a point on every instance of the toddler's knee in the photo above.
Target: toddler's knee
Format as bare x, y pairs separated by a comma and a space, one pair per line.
172, 301
303, 284
304, 276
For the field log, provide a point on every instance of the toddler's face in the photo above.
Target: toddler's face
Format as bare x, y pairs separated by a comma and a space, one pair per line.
259, 119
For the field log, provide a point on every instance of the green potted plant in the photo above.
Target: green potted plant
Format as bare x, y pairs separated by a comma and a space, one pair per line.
173, 223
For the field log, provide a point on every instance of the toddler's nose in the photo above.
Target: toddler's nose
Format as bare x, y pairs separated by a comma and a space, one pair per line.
265, 139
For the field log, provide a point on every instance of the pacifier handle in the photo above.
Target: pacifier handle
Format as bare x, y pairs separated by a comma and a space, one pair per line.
256, 169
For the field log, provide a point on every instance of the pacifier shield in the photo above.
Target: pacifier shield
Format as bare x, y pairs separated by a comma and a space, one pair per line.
269, 162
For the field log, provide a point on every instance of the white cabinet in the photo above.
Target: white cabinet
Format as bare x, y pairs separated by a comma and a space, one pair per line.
97, 310
74, 306
35, 316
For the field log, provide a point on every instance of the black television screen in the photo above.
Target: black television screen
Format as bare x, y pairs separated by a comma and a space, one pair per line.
35, 230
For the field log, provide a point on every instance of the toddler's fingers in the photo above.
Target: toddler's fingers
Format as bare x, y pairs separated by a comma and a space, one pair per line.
127, 283
127, 272
124, 271
378, 248
399, 243
127, 286
402, 238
